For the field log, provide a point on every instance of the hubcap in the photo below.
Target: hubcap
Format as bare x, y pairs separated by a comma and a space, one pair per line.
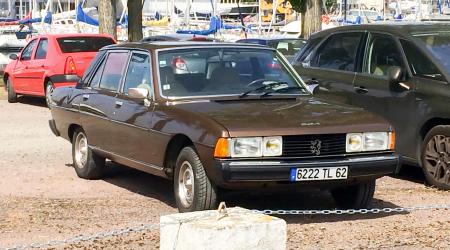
81, 150
48, 93
437, 158
186, 184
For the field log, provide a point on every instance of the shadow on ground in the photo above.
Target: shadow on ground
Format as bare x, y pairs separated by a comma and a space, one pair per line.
411, 173
31, 100
161, 189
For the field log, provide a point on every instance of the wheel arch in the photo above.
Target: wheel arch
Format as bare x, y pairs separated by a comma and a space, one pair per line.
5, 77
46, 80
175, 145
71, 129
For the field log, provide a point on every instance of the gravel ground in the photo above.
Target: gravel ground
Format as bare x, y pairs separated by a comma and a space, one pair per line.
41, 199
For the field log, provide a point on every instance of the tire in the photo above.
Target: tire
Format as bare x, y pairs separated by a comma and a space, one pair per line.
435, 157
355, 196
203, 194
12, 96
87, 165
49, 87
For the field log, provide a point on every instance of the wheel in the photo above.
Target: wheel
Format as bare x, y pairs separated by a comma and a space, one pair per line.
355, 196
87, 164
193, 190
435, 157
49, 87
12, 96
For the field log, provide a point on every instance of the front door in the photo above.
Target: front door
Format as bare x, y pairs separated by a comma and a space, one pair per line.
98, 101
21, 77
132, 117
374, 92
38, 67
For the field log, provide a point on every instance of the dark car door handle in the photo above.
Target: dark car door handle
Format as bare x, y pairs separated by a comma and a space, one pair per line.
312, 82
361, 90
85, 97
119, 104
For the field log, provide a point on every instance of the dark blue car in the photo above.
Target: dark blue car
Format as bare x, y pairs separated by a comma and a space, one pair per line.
287, 46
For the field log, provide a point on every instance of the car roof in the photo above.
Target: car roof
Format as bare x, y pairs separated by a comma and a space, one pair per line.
271, 39
73, 35
402, 28
177, 45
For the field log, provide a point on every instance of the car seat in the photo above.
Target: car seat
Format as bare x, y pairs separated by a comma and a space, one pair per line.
168, 83
223, 78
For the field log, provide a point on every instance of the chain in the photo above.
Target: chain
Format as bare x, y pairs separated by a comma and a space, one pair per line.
152, 226
351, 211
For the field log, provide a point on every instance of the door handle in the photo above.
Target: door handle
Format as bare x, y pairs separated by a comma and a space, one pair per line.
119, 104
361, 90
85, 97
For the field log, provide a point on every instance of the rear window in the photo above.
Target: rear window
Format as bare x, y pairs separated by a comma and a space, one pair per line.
83, 44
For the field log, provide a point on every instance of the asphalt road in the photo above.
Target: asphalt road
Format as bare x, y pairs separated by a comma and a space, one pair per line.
42, 199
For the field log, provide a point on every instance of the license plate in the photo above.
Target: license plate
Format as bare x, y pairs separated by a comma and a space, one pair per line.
319, 174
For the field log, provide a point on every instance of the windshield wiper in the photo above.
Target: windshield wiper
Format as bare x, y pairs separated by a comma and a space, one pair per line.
270, 85
278, 90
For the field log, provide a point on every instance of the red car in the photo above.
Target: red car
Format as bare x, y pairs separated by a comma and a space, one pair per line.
49, 56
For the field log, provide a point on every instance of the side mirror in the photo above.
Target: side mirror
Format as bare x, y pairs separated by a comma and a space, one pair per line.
13, 57
138, 93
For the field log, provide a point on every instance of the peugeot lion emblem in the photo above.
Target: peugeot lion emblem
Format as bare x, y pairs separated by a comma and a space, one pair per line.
316, 145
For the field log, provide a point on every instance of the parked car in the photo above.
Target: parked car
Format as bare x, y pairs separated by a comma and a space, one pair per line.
179, 37
401, 72
48, 56
287, 46
240, 123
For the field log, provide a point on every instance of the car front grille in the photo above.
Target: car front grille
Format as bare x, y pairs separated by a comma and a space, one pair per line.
314, 145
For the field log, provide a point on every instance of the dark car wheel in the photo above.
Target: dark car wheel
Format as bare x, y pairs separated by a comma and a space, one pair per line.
193, 190
87, 164
355, 196
436, 157
49, 87
12, 96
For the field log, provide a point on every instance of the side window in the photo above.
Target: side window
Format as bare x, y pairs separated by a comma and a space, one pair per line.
113, 70
138, 73
41, 52
381, 53
338, 52
95, 81
419, 64
26, 53
304, 55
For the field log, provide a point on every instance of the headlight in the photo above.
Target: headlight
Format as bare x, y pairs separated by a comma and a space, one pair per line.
272, 146
246, 147
370, 141
249, 147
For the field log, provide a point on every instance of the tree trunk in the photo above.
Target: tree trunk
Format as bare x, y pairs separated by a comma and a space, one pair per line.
134, 20
107, 17
312, 18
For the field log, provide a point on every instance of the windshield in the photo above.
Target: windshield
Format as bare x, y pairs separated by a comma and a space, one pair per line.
439, 45
224, 71
83, 44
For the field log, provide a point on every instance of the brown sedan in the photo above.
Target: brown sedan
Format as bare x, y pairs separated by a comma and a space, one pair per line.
218, 116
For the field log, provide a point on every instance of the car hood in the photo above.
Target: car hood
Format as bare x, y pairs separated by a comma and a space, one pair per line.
286, 116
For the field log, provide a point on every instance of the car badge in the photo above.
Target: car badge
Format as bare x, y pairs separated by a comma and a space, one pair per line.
310, 124
316, 145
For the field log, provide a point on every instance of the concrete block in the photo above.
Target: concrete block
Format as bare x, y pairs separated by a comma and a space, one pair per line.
239, 229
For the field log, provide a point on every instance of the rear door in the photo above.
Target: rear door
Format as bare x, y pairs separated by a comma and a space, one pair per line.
333, 64
21, 77
133, 117
98, 100
38, 66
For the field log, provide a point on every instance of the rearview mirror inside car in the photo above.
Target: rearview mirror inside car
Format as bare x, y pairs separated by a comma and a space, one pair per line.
13, 57
138, 93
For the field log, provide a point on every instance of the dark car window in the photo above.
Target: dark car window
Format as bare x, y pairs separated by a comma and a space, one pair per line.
26, 53
338, 52
83, 44
90, 70
41, 52
138, 73
381, 53
304, 55
419, 64
113, 70
438, 43
288, 47
95, 81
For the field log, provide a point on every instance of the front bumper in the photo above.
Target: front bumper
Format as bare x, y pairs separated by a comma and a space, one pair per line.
236, 173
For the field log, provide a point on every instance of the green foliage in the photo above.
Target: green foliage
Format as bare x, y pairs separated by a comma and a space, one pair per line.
299, 5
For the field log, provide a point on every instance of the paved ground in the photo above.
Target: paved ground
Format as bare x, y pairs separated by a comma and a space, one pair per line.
41, 199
